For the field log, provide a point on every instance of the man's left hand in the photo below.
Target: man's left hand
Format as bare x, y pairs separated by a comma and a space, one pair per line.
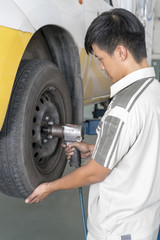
41, 192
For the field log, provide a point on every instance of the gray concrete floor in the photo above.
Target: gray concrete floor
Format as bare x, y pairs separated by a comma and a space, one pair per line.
56, 218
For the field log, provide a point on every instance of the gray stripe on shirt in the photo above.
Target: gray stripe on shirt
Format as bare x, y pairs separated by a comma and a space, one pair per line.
140, 93
126, 237
123, 98
110, 130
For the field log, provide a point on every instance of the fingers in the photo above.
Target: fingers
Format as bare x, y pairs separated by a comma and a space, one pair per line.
82, 147
69, 150
85, 155
31, 199
41, 192
70, 153
70, 146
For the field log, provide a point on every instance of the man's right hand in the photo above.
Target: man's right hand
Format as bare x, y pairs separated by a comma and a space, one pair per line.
84, 148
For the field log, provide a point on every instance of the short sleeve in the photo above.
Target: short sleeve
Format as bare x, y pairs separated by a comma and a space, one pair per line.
113, 139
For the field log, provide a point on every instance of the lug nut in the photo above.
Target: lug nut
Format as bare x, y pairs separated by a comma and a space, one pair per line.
50, 123
49, 137
45, 140
46, 118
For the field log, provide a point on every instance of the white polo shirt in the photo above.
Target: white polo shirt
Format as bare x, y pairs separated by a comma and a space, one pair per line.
126, 205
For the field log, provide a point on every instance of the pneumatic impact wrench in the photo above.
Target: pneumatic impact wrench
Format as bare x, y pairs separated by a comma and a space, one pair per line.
70, 133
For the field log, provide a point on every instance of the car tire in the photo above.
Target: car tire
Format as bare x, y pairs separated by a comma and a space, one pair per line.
40, 97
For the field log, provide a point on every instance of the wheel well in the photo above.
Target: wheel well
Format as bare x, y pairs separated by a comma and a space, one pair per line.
55, 44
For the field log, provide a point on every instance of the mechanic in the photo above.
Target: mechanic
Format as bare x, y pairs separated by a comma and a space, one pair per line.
124, 170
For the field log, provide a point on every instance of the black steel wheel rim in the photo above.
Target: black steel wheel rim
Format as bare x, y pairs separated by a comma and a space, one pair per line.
45, 114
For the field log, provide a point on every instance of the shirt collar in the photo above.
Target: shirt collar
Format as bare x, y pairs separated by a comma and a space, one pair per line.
131, 78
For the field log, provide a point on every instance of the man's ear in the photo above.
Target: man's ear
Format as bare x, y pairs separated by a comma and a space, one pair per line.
121, 52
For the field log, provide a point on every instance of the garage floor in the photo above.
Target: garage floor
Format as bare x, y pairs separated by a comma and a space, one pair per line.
56, 218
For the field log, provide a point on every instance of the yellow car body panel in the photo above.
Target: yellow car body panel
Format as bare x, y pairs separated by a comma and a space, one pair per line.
12, 45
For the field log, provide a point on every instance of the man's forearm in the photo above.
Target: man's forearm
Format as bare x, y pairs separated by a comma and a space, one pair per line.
91, 173
78, 178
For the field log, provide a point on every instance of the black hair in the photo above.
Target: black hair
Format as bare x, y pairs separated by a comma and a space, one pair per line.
115, 27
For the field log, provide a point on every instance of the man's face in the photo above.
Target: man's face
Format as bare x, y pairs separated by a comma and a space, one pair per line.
110, 64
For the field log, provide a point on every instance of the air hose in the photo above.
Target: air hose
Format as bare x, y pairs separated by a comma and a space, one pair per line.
83, 212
